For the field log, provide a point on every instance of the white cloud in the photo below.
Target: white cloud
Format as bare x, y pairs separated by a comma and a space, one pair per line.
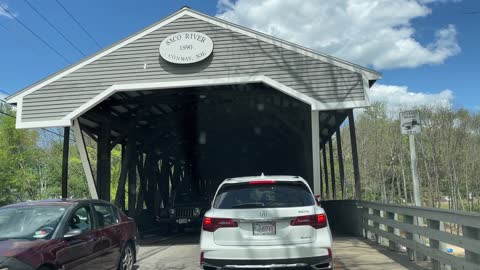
400, 97
374, 32
3, 13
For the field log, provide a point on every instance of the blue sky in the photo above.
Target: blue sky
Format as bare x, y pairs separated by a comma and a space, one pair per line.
427, 50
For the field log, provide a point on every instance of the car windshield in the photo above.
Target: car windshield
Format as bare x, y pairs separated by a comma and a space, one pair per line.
33, 222
237, 196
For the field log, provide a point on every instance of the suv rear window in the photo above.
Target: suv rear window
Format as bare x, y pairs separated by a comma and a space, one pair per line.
244, 196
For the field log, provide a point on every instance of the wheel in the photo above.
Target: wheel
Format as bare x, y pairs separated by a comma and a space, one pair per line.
127, 259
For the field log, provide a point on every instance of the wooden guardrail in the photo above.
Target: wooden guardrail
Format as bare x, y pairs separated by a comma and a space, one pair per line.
398, 224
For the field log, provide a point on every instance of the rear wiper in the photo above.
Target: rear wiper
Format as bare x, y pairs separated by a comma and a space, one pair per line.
248, 205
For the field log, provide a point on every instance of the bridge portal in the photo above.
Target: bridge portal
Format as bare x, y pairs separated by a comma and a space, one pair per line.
195, 99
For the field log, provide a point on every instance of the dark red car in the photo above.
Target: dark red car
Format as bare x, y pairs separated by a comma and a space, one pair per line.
66, 234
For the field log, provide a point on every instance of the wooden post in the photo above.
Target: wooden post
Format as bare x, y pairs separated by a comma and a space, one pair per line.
152, 191
409, 235
365, 212
141, 168
356, 169
376, 225
434, 244
391, 244
132, 184
164, 182
325, 171
340, 163
66, 147
472, 233
316, 152
104, 162
322, 193
120, 196
332, 169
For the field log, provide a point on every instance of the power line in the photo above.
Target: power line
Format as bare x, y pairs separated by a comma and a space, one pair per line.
5, 92
31, 31
56, 29
79, 24
47, 130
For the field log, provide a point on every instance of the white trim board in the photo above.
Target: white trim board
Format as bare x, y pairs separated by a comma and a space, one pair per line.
67, 120
370, 75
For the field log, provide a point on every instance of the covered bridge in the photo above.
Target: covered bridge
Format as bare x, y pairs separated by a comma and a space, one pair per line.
195, 99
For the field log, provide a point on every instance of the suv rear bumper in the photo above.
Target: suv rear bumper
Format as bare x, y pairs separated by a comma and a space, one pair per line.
316, 263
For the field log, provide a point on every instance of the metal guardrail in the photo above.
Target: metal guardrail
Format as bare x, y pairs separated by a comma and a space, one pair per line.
398, 225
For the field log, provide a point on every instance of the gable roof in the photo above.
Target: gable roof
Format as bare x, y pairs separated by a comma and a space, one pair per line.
368, 73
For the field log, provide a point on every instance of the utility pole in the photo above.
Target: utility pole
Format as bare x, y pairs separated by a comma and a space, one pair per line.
410, 125
417, 195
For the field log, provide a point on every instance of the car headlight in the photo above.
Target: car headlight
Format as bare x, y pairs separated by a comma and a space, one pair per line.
196, 212
171, 211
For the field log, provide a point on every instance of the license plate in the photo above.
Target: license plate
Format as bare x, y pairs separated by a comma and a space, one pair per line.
264, 228
182, 221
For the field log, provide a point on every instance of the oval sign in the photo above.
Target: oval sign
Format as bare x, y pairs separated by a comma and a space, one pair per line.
186, 47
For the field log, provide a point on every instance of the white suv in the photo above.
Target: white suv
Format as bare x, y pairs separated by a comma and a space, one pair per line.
263, 223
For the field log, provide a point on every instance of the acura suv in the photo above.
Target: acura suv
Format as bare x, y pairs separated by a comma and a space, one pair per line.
265, 222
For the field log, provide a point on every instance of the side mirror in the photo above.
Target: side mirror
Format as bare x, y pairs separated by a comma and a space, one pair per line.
72, 233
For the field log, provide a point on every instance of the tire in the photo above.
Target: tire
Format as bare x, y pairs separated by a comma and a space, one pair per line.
127, 260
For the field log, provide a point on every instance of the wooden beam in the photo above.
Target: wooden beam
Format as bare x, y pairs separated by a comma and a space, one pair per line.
104, 155
141, 169
121, 180
164, 182
322, 193
152, 187
132, 184
87, 168
316, 152
66, 147
340, 163
332, 169
356, 169
325, 171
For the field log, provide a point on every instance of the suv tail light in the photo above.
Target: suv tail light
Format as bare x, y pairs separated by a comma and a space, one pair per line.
262, 182
213, 224
316, 221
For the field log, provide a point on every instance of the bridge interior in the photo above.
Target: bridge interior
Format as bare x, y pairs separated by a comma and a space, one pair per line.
199, 136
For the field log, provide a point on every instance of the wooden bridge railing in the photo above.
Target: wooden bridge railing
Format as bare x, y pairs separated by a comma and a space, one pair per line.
420, 230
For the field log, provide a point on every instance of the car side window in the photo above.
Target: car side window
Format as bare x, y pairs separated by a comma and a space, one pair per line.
105, 215
80, 219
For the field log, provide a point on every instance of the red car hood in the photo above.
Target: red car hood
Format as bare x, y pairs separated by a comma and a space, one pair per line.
13, 247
